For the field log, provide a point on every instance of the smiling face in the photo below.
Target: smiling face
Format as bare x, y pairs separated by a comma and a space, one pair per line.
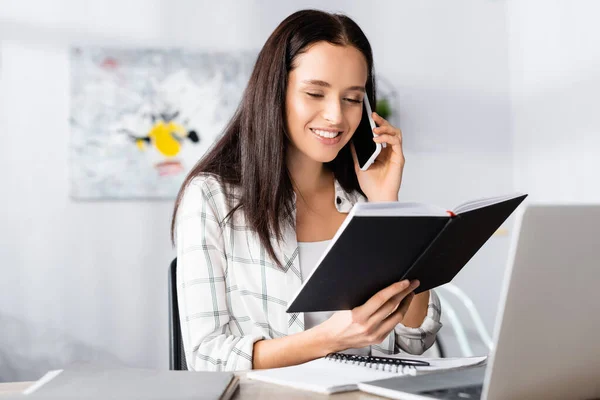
324, 99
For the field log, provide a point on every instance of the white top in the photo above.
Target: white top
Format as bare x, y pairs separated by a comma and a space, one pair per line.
310, 254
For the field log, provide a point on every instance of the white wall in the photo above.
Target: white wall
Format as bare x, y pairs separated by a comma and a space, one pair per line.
555, 86
87, 281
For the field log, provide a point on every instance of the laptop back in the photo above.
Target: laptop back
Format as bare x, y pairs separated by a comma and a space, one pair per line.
547, 339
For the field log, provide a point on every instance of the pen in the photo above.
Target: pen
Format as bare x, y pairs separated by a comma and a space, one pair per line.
353, 358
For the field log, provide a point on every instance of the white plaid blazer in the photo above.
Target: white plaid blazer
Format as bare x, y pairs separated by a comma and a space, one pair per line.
231, 294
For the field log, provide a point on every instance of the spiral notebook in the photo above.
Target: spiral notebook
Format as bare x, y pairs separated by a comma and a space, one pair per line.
343, 372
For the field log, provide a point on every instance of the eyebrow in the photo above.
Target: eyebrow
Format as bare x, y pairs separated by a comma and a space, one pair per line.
327, 85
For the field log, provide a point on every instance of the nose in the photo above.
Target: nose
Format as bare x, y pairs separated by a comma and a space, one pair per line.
333, 112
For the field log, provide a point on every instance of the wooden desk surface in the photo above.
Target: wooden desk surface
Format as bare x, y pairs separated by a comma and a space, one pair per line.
249, 389
13, 387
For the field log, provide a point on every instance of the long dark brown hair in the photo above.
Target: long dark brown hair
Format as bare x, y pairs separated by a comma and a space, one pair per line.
251, 154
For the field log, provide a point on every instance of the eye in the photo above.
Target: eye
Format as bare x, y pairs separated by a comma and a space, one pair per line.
314, 94
353, 101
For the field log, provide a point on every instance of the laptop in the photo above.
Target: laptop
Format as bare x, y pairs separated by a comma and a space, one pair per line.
547, 336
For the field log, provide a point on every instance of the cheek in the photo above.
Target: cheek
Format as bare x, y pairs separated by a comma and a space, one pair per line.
354, 117
300, 112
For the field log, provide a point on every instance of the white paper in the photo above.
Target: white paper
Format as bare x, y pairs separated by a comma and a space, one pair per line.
329, 376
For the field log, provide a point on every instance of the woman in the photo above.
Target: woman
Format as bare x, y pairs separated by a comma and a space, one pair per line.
255, 214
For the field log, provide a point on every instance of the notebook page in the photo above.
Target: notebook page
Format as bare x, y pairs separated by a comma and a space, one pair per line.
396, 209
475, 204
324, 376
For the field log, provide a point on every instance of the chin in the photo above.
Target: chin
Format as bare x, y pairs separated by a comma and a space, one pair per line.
324, 157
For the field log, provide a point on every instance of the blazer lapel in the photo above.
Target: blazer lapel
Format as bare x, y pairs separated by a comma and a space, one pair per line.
293, 277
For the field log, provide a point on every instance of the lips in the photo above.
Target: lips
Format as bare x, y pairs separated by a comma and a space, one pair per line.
327, 141
326, 133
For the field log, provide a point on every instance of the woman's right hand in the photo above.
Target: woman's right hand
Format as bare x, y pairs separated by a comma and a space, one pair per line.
372, 322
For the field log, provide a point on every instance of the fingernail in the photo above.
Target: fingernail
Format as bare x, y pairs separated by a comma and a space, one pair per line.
415, 283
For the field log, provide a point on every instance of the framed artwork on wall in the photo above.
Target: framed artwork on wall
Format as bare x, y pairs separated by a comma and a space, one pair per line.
141, 118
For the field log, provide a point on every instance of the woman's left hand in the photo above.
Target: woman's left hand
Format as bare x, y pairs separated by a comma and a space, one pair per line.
381, 182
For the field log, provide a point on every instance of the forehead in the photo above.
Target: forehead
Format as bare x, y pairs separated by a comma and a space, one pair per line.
338, 65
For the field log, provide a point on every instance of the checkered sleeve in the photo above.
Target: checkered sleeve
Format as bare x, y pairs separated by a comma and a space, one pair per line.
201, 290
417, 340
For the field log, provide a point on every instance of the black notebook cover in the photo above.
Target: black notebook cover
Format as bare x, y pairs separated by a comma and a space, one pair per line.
373, 252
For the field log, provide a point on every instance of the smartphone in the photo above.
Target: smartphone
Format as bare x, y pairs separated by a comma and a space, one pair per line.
366, 149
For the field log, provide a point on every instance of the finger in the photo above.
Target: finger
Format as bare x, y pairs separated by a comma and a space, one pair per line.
397, 316
392, 304
379, 120
394, 141
380, 298
388, 129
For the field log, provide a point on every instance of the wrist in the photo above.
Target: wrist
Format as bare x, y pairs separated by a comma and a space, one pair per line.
324, 342
290, 350
417, 311
382, 199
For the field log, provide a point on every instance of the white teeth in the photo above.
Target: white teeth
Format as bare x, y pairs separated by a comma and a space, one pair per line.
325, 134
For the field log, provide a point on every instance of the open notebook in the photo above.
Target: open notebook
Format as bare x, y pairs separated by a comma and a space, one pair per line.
342, 372
382, 243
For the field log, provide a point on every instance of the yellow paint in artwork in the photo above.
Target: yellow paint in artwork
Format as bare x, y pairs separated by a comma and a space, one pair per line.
162, 136
177, 129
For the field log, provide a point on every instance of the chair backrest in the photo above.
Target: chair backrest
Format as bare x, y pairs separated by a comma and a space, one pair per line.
176, 353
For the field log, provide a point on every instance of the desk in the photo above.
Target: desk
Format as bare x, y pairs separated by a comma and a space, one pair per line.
249, 389
13, 387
